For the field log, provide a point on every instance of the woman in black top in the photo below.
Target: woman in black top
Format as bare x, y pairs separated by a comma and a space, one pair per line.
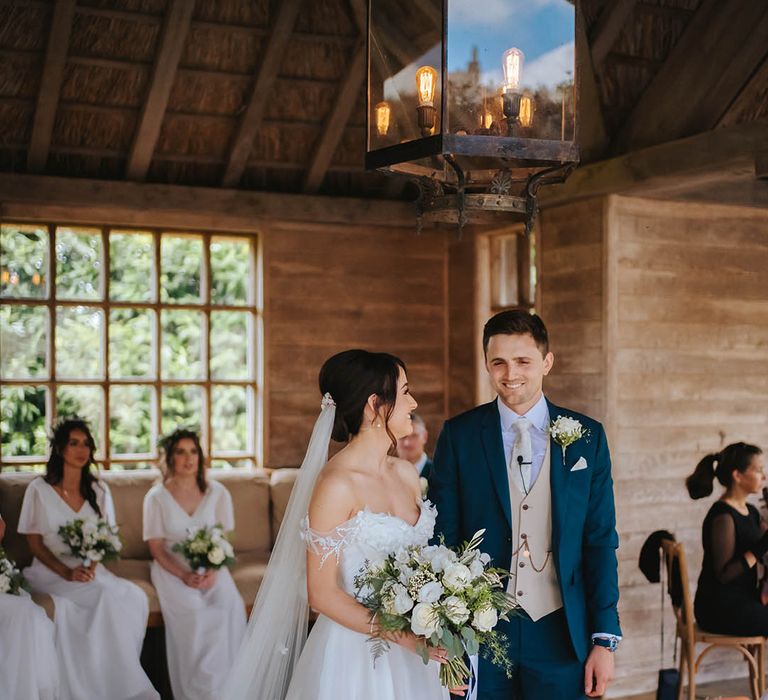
735, 539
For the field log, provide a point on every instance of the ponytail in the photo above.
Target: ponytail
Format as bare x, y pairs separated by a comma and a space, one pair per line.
736, 457
700, 484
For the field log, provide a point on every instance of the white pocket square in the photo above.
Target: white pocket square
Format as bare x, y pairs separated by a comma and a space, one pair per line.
581, 464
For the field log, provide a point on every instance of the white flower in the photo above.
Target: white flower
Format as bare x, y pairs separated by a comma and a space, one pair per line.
442, 559
227, 547
402, 556
430, 592
93, 555
402, 602
90, 528
5, 583
565, 431
114, 540
456, 610
456, 577
485, 558
424, 486
216, 556
424, 620
476, 568
485, 619
405, 574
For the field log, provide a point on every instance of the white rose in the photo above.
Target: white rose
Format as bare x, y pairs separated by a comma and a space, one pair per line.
430, 592
5, 583
485, 558
476, 568
456, 610
227, 547
93, 555
485, 619
442, 559
89, 527
403, 602
456, 577
216, 556
116, 543
405, 574
402, 556
424, 620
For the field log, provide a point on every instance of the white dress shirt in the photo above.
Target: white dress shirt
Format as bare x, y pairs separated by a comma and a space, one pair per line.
538, 416
421, 462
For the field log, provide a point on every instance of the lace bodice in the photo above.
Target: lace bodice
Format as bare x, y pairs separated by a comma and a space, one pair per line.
368, 536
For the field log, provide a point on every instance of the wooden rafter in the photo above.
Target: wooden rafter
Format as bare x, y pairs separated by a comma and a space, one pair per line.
50, 84
748, 97
593, 137
337, 121
175, 30
250, 123
608, 27
705, 71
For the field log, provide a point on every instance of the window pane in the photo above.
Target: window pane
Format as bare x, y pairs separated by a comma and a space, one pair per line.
79, 331
504, 273
131, 266
230, 271
78, 264
181, 263
23, 342
23, 261
181, 354
229, 419
22, 421
130, 420
130, 466
131, 346
87, 402
232, 464
182, 407
230, 345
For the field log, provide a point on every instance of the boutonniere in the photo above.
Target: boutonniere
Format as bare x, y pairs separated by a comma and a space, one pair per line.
424, 487
565, 431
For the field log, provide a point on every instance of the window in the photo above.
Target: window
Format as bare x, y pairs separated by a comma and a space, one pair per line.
513, 274
138, 332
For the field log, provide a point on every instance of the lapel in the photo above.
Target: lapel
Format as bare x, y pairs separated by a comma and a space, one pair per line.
490, 435
559, 479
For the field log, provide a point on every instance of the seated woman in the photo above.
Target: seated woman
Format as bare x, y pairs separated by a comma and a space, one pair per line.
204, 614
735, 540
100, 619
27, 655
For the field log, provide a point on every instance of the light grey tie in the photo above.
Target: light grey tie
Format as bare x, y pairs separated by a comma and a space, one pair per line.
522, 455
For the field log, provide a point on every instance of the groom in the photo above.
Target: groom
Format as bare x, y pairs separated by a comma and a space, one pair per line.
548, 514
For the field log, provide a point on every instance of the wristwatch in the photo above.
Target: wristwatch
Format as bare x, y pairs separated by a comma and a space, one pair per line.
610, 643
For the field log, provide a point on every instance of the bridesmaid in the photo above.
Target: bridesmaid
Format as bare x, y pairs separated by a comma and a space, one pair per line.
27, 655
99, 619
204, 614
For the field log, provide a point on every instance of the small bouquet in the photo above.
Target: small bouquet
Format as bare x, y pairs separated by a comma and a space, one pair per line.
206, 548
11, 579
565, 431
452, 598
91, 541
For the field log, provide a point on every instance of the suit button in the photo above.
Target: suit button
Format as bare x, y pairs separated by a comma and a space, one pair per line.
509, 539
525, 506
520, 593
523, 536
521, 564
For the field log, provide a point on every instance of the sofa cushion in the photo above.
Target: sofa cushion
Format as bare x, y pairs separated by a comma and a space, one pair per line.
12, 488
281, 485
248, 573
250, 499
128, 490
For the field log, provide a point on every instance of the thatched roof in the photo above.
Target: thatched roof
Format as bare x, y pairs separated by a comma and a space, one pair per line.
101, 108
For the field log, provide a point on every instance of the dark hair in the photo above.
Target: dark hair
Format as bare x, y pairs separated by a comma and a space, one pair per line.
350, 377
517, 322
168, 445
54, 469
735, 457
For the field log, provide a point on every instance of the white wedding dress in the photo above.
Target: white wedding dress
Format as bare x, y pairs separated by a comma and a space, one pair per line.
336, 663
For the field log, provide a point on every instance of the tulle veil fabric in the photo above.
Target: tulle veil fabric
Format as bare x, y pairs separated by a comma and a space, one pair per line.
277, 629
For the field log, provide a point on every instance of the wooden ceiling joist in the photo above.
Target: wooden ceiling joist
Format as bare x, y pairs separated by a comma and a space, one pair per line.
175, 30
593, 137
250, 123
705, 71
747, 98
608, 27
337, 121
50, 84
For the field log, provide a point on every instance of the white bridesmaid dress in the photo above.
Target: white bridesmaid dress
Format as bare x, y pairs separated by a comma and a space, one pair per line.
100, 625
203, 629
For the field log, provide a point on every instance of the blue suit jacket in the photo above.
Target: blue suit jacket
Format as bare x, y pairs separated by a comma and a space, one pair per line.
470, 488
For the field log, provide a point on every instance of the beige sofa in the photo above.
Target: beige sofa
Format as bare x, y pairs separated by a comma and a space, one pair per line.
259, 499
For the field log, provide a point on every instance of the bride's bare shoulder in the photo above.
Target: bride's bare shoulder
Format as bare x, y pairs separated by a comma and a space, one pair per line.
333, 497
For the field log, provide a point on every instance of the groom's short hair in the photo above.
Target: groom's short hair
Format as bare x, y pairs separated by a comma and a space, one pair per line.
517, 322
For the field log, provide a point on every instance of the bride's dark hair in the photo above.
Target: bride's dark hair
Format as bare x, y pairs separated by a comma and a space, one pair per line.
350, 377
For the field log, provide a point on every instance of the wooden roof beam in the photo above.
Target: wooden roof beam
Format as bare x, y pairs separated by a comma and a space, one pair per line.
593, 136
337, 120
705, 71
175, 30
50, 84
252, 118
607, 29
747, 99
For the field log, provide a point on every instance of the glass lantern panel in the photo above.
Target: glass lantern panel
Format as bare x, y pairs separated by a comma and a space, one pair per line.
510, 69
406, 65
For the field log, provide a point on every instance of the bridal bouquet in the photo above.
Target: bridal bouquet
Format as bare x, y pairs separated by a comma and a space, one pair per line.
206, 548
91, 541
11, 579
452, 598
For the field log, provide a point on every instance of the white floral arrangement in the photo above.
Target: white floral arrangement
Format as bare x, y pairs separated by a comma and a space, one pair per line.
206, 548
91, 541
452, 599
12, 581
565, 431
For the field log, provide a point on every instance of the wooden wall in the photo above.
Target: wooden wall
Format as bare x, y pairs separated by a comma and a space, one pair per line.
330, 288
659, 317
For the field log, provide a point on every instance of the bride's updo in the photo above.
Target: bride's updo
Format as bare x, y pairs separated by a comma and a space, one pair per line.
350, 377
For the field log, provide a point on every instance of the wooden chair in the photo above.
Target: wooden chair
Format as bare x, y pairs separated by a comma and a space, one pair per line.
751, 648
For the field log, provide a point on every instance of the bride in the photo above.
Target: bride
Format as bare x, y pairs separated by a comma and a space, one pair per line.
361, 505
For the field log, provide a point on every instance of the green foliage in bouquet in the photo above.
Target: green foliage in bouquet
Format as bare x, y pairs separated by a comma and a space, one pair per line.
91, 541
206, 548
452, 599
12, 580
